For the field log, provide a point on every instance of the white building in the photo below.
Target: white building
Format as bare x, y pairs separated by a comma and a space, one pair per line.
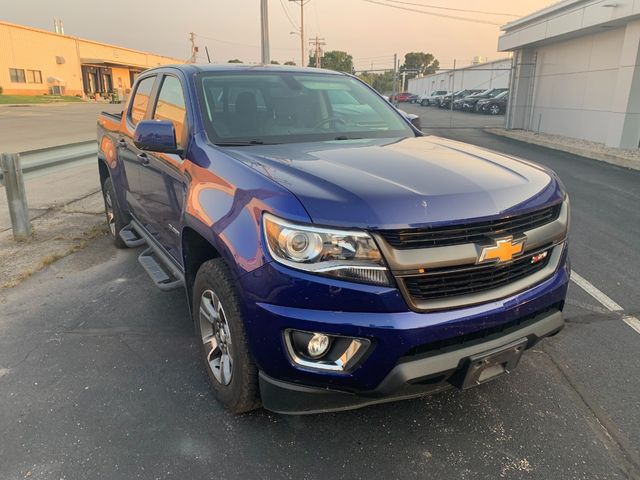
577, 71
487, 75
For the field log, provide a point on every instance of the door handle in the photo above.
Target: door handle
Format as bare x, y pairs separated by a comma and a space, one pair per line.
122, 143
143, 158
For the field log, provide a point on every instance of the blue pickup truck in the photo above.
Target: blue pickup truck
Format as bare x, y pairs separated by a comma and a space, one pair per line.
332, 254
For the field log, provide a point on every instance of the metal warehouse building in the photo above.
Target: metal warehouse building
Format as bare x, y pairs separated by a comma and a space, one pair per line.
577, 71
35, 62
487, 75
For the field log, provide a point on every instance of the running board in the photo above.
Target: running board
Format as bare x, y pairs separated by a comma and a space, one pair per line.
130, 237
158, 272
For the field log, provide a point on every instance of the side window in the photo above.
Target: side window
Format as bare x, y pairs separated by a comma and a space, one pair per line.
171, 106
140, 100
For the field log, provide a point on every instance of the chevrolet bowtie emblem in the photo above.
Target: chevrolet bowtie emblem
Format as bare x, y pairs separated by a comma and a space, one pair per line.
503, 250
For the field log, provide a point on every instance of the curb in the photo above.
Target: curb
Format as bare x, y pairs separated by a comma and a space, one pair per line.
612, 159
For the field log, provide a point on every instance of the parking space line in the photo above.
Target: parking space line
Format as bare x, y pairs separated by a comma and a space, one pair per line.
604, 300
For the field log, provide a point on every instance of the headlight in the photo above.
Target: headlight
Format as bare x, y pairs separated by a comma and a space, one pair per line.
349, 255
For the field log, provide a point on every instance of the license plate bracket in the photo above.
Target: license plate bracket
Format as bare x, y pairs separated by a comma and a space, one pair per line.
487, 366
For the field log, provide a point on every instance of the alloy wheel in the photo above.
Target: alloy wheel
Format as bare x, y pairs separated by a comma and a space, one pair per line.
216, 337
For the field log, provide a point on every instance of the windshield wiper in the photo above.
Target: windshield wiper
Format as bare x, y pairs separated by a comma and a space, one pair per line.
344, 137
255, 141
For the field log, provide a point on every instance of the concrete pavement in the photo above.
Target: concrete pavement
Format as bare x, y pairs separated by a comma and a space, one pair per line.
29, 127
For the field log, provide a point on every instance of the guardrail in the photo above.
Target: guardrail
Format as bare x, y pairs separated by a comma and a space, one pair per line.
14, 166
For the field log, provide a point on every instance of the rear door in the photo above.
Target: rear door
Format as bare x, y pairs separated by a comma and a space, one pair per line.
131, 157
162, 181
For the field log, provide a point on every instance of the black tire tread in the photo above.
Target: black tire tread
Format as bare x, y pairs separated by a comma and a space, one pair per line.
121, 219
215, 274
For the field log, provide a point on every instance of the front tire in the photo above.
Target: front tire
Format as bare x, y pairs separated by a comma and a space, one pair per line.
219, 324
494, 110
116, 220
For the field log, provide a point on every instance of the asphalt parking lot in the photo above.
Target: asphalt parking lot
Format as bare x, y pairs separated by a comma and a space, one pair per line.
100, 375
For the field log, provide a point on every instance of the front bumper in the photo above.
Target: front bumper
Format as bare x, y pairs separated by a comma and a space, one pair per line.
278, 298
408, 379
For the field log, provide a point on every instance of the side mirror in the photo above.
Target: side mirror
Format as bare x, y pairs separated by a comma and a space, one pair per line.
414, 119
156, 136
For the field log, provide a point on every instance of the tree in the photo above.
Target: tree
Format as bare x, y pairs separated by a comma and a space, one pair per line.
334, 60
382, 82
419, 63
290, 63
235, 60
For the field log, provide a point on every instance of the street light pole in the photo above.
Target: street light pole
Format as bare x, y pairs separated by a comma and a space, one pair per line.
264, 24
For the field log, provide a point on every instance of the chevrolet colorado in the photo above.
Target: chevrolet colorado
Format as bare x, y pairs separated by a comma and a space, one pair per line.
333, 255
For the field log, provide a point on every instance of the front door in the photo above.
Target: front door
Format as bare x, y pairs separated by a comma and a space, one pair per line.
162, 185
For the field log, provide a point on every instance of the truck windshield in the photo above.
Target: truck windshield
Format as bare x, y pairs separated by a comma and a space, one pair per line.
248, 108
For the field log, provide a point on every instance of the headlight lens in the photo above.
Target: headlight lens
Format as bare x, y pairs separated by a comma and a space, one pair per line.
350, 255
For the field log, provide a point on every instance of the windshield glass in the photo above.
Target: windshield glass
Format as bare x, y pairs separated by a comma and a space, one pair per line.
287, 107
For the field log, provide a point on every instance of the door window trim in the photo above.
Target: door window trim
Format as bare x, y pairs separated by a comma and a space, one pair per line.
154, 103
152, 95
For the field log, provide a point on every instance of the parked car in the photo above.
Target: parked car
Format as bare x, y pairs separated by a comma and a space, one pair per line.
426, 98
446, 100
494, 106
413, 98
332, 255
401, 97
469, 103
436, 99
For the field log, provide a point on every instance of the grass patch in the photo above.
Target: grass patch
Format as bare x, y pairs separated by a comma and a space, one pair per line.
33, 99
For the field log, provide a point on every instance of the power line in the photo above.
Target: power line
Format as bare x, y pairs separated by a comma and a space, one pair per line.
424, 5
239, 44
286, 12
442, 15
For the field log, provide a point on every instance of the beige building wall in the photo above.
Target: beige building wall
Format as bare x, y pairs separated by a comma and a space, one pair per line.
59, 58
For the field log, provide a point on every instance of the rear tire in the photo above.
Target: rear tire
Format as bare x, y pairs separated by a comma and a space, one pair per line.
495, 110
116, 220
424, 103
219, 324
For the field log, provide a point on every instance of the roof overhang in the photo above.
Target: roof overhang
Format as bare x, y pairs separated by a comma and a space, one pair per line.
110, 63
567, 19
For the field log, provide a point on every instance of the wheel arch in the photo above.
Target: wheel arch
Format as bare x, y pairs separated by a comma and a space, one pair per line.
196, 250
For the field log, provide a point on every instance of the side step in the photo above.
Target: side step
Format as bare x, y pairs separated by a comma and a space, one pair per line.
160, 275
131, 238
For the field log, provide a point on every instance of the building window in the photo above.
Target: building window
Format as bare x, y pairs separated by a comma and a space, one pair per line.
34, 76
17, 75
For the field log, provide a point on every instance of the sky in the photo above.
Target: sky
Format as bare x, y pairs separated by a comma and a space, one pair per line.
230, 29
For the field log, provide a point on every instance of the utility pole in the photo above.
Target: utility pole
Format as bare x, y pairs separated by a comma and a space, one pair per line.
302, 3
453, 88
317, 43
395, 79
264, 23
194, 48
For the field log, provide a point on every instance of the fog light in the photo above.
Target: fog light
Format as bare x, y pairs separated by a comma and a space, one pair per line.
318, 345
323, 351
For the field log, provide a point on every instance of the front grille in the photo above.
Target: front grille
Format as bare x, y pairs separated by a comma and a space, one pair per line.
455, 281
477, 232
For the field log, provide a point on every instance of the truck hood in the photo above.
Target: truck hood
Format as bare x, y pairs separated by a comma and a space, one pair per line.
400, 183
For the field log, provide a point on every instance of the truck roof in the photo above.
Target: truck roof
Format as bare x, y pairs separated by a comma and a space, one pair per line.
236, 67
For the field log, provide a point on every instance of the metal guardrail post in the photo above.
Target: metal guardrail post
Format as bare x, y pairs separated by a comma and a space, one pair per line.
16, 195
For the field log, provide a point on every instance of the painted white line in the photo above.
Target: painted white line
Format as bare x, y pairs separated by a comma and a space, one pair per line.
633, 322
595, 293
609, 304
